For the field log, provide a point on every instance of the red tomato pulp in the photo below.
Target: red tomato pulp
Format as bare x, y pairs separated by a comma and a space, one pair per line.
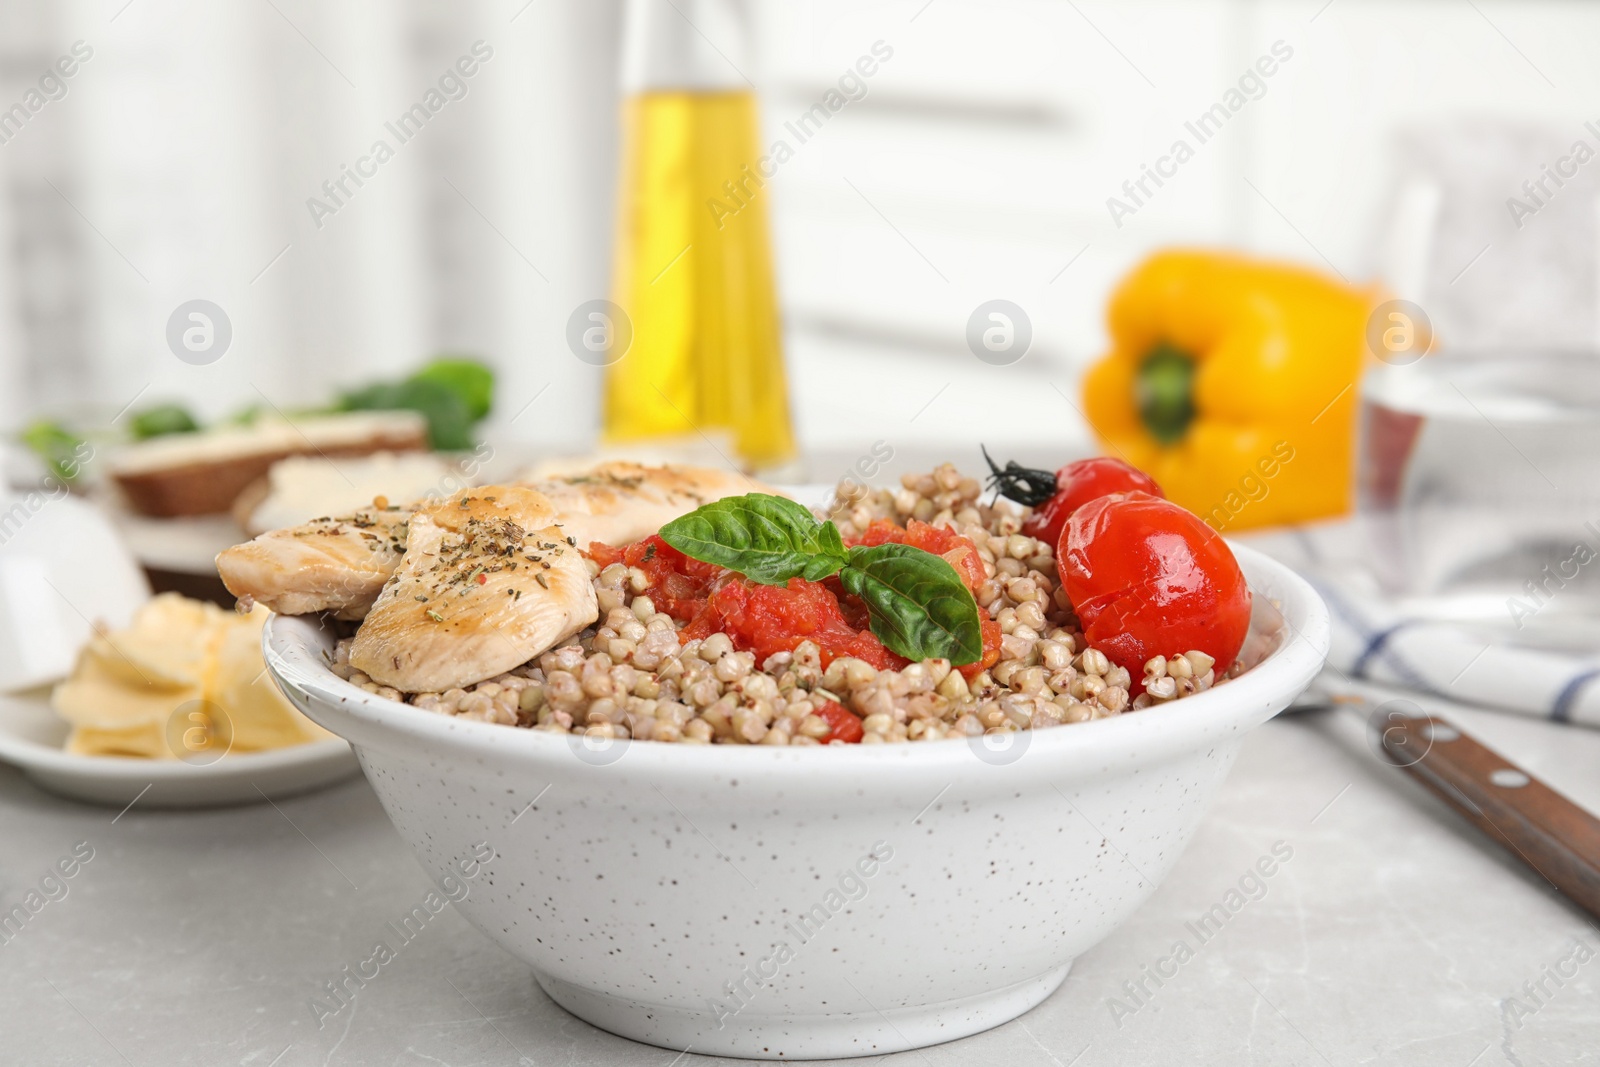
765, 619
762, 619
955, 550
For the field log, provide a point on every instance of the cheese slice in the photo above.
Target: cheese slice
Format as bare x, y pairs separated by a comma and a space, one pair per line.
260, 716
145, 740
185, 681
169, 644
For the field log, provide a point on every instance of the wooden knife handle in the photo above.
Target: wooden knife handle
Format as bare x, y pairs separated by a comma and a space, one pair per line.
1541, 827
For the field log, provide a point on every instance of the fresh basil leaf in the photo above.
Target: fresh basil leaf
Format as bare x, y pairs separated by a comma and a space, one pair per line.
161, 420
448, 414
919, 605
467, 378
768, 539
831, 553
57, 446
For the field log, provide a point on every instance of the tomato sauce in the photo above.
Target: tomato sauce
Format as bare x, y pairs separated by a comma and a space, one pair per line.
765, 619
679, 585
954, 549
843, 726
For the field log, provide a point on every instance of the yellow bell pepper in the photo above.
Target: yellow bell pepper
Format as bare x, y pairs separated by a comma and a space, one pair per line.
1233, 382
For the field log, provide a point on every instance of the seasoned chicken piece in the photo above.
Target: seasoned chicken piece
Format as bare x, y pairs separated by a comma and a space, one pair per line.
620, 502
489, 580
336, 565
340, 565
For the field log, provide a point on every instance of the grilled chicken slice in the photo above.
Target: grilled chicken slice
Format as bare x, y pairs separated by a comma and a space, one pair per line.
489, 580
619, 503
340, 565
336, 565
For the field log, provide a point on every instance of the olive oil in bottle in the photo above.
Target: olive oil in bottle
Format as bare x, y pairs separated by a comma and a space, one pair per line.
693, 267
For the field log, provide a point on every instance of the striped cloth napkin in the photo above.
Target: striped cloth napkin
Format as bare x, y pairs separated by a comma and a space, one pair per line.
1375, 641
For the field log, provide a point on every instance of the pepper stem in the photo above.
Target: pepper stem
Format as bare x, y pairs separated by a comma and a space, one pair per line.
1164, 392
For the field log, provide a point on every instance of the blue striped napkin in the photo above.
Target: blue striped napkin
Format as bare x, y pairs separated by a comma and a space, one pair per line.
1374, 640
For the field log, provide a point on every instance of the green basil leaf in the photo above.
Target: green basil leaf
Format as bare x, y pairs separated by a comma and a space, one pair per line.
161, 420
447, 411
466, 377
831, 554
768, 539
58, 447
919, 605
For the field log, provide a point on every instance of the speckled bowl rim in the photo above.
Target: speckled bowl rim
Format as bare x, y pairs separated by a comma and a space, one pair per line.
295, 649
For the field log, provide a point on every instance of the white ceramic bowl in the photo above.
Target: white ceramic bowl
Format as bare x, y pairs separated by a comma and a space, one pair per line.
806, 903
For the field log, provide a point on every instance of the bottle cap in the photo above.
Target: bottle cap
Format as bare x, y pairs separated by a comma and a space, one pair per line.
684, 44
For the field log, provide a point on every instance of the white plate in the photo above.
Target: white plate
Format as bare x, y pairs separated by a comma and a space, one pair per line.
187, 545
31, 735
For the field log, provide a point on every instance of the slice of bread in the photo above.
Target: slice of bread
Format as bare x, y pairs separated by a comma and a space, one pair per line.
203, 473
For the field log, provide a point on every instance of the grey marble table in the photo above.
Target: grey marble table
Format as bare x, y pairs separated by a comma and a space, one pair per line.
1392, 935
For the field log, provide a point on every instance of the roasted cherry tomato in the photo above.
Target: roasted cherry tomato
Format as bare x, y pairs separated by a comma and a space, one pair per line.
845, 726
1148, 578
1080, 482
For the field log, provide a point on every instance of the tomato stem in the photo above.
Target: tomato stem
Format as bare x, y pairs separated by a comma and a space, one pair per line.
1025, 485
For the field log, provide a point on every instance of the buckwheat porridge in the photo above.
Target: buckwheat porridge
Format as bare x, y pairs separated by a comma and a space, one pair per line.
684, 650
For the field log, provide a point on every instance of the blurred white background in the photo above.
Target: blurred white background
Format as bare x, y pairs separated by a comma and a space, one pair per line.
178, 164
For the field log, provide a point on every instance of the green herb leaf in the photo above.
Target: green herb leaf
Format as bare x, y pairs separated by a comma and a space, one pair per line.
448, 414
57, 446
467, 378
768, 539
452, 393
161, 420
919, 605
831, 546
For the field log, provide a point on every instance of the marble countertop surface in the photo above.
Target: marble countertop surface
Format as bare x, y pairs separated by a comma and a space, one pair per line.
1394, 935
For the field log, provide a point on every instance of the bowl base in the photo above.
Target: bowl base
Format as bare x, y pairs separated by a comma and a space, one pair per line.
778, 1036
